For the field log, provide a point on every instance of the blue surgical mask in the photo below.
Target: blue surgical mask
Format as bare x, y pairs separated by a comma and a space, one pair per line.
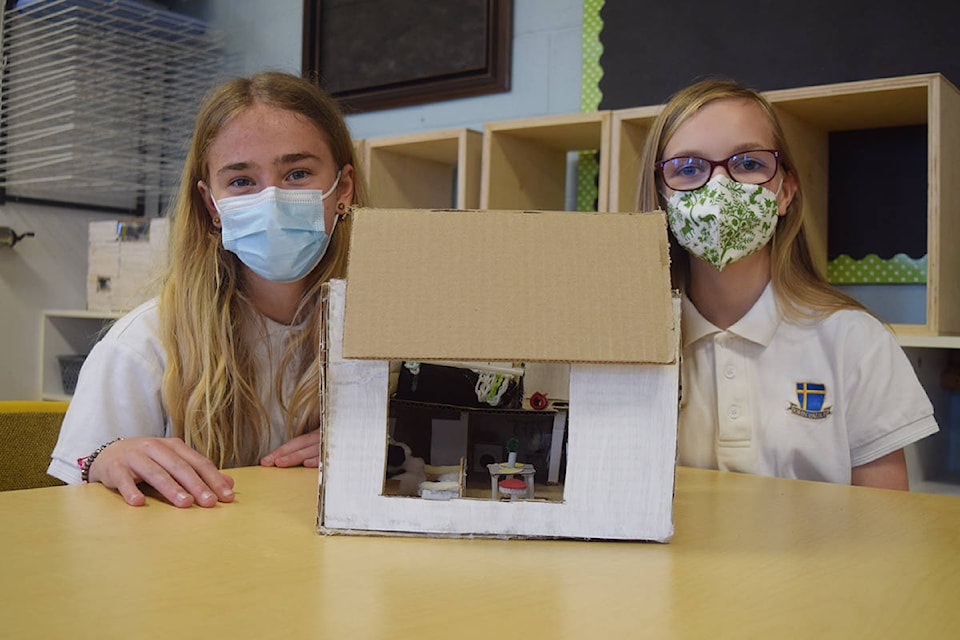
278, 233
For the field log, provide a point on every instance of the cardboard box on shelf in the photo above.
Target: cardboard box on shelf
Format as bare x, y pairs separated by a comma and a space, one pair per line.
585, 289
124, 259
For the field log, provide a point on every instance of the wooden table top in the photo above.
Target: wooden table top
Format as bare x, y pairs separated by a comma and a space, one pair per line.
752, 557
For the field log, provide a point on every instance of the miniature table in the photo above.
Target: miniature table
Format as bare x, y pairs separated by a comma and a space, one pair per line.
498, 469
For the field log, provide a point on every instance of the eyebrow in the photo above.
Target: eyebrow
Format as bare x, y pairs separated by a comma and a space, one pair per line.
235, 166
290, 158
740, 148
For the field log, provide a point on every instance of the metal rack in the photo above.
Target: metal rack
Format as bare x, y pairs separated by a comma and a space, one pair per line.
98, 99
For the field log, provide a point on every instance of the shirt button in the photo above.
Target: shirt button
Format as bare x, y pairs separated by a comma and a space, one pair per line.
733, 411
729, 371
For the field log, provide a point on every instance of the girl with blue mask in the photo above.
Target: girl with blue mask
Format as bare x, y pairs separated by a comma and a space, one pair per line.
222, 368
781, 374
279, 234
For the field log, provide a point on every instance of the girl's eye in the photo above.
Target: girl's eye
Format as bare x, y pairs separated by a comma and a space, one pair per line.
750, 164
298, 174
684, 167
240, 182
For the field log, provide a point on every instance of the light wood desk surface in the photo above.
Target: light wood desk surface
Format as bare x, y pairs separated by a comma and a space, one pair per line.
752, 558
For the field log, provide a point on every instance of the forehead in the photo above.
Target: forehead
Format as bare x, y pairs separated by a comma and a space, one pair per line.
720, 128
262, 133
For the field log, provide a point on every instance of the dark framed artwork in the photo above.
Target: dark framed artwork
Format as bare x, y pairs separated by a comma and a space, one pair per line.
379, 54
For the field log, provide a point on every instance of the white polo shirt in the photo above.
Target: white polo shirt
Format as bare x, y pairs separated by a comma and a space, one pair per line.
811, 400
119, 389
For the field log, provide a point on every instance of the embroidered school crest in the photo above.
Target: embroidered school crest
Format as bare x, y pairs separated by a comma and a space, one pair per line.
810, 396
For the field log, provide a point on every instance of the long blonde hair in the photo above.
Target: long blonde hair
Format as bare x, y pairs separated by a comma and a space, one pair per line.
209, 386
801, 289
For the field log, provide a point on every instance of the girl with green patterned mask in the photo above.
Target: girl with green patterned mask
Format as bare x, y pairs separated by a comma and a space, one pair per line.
781, 374
725, 181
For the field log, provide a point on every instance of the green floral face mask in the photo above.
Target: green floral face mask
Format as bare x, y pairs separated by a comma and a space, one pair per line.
724, 220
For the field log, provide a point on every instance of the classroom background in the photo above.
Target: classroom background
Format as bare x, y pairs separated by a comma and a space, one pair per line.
567, 56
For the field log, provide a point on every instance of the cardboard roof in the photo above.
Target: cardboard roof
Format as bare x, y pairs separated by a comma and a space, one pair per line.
509, 285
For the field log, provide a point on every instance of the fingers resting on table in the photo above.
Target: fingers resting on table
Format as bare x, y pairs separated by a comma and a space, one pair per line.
303, 450
178, 472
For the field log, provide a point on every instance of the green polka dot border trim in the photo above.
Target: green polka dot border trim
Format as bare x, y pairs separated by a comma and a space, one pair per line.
590, 96
590, 50
872, 269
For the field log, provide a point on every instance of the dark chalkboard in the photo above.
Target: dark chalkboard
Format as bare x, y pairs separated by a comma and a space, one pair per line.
652, 49
374, 54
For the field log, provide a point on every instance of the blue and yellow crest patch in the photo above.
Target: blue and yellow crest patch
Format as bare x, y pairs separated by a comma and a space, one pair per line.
810, 397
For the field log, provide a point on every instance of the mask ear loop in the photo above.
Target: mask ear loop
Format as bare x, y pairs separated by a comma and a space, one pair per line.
342, 209
333, 187
216, 219
783, 178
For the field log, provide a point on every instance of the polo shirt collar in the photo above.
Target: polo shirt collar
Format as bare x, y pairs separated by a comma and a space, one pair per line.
757, 325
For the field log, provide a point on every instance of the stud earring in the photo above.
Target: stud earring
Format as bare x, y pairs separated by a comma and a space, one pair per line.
341, 206
216, 221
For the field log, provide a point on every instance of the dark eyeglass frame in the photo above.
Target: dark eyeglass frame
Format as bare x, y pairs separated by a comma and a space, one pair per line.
725, 163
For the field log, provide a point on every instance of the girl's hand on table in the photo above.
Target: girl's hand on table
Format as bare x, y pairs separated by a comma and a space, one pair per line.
302, 450
179, 473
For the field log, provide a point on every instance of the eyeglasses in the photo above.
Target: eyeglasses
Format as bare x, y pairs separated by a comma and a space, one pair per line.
686, 173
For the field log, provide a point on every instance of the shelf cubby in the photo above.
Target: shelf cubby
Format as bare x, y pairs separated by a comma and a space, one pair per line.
68, 332
525, 160
629, 133
433, 170
811, 114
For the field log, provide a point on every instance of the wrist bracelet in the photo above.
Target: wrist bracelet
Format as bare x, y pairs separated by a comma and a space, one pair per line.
86, 462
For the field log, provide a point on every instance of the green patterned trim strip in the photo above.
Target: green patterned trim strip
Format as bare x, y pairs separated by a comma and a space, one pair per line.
900, 269
591, 48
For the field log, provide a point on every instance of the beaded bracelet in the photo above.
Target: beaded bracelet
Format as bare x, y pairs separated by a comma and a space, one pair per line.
86, 462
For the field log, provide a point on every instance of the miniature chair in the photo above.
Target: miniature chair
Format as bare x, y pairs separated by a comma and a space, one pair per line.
28, 433
497, 469
513, 487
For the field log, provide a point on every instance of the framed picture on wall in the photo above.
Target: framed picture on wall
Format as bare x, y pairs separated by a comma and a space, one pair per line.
379, 54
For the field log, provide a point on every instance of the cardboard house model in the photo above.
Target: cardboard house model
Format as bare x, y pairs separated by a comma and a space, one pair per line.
591, 290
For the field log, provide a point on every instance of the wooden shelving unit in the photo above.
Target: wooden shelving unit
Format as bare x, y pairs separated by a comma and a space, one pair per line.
810, 114
630, 129
435, 170
525, 160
